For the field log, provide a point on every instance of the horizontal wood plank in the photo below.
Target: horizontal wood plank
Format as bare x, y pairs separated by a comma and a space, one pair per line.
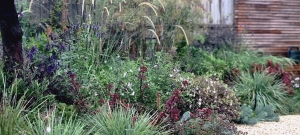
271, 26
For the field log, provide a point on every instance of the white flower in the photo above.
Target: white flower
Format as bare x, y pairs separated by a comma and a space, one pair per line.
105, 61
129, 85
132, 94
130, 71
296, 85
96, 94
292, 81
124, 75
176, 70
171, 75
122, 94
155, 66
199, 101
297, 78
48, 129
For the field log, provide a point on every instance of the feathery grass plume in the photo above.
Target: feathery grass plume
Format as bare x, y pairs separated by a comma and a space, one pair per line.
153, 7
162, 5
29, 10
151, 22
186, 38
106, 9
156, 36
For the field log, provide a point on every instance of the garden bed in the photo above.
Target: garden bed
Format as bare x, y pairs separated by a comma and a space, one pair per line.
288, 124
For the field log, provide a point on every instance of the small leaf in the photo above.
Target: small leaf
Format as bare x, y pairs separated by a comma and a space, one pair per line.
185, 116
201, 39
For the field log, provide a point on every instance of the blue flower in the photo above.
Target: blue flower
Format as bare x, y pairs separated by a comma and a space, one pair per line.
50, 68
52, 57
31, 53
47, 47
62, 47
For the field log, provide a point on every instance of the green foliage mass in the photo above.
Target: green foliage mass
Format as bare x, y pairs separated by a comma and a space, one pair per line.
198, 126
243, 58
124, 122
262, 88
210, 93
203, 63
261, 113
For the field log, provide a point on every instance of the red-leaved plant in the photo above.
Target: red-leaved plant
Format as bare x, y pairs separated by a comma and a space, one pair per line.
275, 69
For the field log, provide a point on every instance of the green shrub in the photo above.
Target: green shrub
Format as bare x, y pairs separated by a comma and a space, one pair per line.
214, 124
203, 63
125, 79
261, 113
262, 88
244, 58
206, 106
210, 93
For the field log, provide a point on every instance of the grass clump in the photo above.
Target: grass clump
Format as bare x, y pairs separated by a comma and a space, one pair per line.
124, 121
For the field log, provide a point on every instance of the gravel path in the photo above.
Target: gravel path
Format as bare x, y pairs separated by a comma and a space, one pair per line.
288, 125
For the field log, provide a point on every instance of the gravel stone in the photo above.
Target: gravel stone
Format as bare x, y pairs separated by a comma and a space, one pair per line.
287, 125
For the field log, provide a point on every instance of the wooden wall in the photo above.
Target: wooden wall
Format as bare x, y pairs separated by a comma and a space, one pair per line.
270, 25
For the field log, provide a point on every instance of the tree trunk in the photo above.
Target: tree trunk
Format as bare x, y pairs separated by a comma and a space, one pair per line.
11, 33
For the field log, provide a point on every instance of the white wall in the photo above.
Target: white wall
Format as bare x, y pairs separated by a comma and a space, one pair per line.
219, 9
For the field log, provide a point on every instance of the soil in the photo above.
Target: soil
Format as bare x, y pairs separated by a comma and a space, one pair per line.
287, 125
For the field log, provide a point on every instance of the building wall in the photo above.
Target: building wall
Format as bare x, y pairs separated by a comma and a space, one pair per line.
270, 25
221, 11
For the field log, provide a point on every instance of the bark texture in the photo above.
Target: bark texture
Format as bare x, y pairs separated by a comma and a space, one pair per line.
11, 33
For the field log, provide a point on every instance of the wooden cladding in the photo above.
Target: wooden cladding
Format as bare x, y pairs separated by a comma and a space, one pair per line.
270, 25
